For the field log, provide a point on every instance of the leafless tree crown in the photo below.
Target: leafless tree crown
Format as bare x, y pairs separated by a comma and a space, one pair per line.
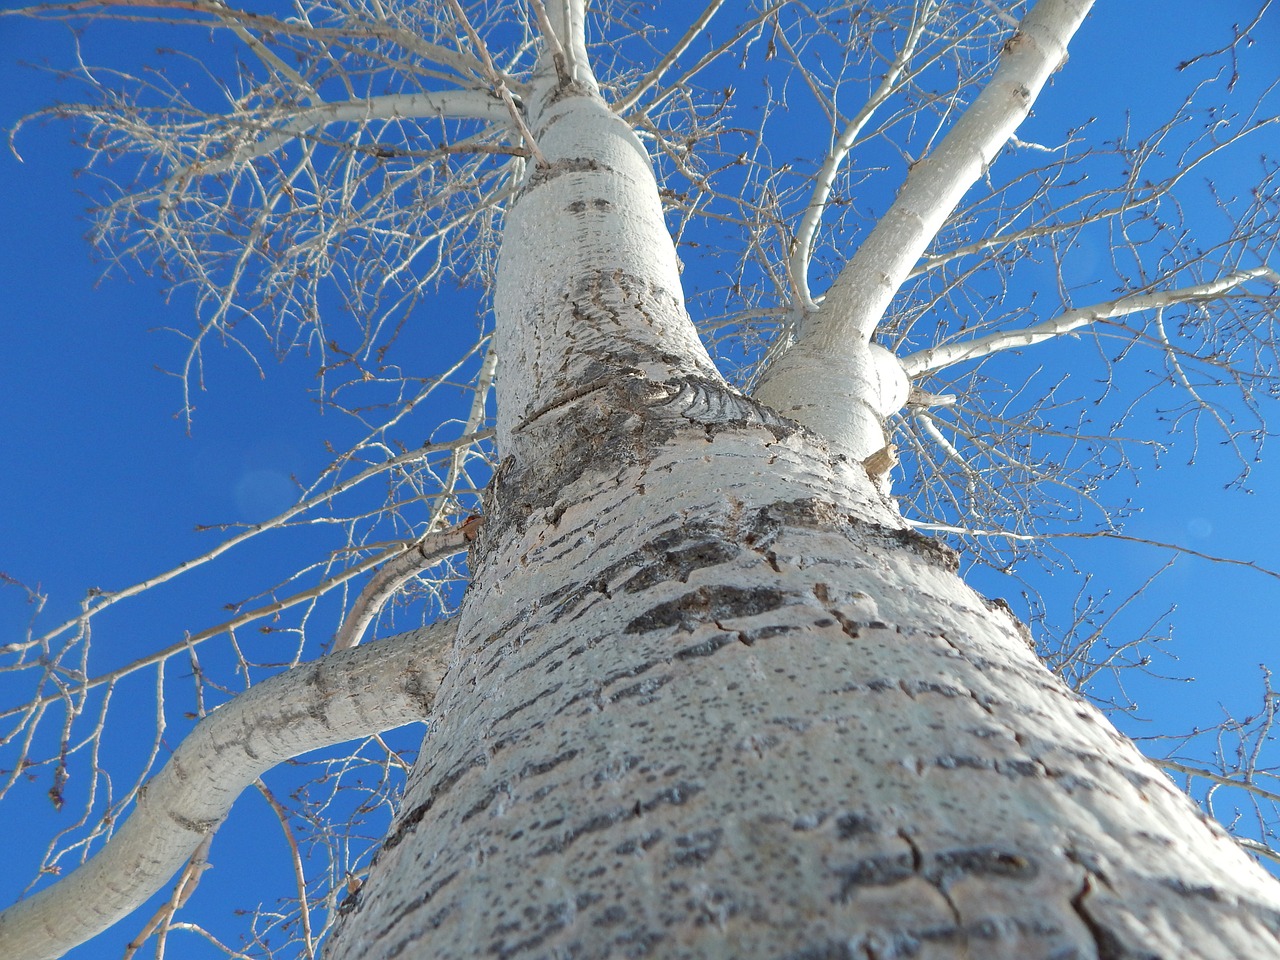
310, 177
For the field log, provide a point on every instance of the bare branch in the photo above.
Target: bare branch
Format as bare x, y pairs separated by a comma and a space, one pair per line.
831, 379
802, 251
456, 104
427, 552
342, 696
648, 81
100, 600
857, 300
935, 358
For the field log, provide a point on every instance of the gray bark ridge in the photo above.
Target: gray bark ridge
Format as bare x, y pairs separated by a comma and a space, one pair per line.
342, 696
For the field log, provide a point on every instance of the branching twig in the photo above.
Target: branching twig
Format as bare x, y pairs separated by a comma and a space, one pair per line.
425, 553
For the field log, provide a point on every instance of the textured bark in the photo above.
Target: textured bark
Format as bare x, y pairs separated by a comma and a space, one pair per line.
710, 698
588, 288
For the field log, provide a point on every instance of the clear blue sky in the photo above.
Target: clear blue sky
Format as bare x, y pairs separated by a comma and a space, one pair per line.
101, 485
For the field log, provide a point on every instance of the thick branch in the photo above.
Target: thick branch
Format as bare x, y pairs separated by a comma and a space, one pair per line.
833, 379
861, 294
453, 104
345, 695
935, 358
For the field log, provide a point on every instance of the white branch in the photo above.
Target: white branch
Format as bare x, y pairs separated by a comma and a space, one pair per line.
802, 252
654, 75
342, 696
455, 105
564, 28
935, 358
417, 557
862, 292
827, 379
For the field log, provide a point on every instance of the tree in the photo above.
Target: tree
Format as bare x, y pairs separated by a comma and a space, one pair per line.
708, 691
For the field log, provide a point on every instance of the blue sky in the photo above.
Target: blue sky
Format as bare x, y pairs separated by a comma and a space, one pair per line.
102, 485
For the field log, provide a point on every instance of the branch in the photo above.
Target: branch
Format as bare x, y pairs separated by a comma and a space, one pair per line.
453, 104
653, 76
196, 865
1092, 535
832, 378
228, 17
824, 182
342, 696
935, 358
100, 600
861, 293
499, 85
427, 552
564, 28
1167, 764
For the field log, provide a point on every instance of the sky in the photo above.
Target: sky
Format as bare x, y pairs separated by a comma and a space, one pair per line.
102, 484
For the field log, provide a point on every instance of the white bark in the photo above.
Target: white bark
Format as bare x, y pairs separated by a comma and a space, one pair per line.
713, 701
585, 250
935, 358
566, 31
824, 182
396, 572
451, 105
345, 695
818, 380
712, 698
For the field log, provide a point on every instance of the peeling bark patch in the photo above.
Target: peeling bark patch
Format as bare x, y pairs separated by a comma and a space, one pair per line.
677, 564
713, 603
1011, 768
559, 168
750, 637
931, 549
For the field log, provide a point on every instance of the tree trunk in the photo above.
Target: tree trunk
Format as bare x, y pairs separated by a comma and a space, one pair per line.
711, 698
